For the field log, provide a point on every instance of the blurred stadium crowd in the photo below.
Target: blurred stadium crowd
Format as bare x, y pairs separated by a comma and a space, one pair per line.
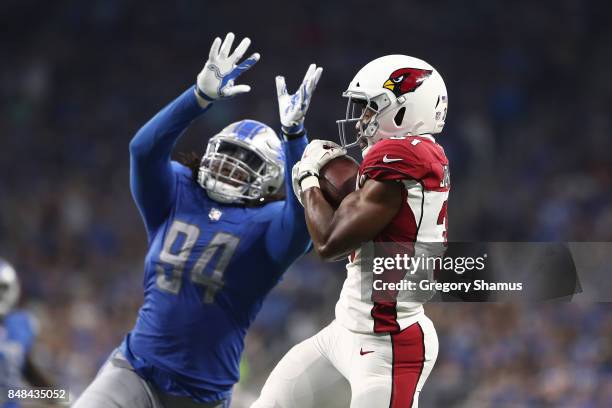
528, 137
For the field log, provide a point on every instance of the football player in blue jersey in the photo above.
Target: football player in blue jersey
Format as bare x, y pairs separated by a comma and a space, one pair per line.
219, 239
17, 335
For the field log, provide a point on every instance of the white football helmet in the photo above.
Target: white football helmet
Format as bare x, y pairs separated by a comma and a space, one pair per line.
243, 163
9, 287
406, 96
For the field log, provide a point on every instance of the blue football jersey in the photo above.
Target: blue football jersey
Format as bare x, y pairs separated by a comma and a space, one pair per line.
17, 335
208, 267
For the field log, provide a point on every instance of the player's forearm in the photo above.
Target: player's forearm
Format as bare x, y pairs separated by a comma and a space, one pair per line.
293, 147
155, 140
291, 224
319, 216
152, 181
361, 216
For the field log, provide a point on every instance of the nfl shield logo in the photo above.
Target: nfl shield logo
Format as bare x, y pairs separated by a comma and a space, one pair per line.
214, 214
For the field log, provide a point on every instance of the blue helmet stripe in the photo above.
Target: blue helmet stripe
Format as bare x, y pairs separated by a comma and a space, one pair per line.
255, 130
247, 129
239, 127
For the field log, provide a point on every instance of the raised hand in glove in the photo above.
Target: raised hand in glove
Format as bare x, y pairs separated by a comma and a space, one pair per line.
293, 108
216, 81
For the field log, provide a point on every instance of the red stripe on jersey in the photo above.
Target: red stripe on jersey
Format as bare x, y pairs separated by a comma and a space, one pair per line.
403, 227
385, 317
398, 159
402, 230
407, 366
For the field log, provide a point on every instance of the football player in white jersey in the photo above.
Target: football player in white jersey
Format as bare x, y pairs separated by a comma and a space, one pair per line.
384, 346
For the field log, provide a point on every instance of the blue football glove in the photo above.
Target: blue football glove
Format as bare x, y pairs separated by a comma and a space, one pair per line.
292, 108
216, 81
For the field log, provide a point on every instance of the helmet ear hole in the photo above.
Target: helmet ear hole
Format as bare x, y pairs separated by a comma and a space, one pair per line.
399, 116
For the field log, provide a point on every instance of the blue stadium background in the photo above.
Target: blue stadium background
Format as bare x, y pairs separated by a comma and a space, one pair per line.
528, 136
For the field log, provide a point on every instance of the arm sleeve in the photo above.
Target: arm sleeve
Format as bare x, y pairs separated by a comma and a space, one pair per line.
391, 159
287, 237
152, 180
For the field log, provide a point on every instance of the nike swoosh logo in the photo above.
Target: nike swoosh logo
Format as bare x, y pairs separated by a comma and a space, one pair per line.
388, 160
363, 353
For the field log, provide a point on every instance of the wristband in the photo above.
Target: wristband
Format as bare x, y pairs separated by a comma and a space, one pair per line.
309, 181
203, 99
293, 131
292, 136
202, 95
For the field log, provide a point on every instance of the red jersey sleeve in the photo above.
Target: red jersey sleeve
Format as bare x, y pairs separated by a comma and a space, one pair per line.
406, 158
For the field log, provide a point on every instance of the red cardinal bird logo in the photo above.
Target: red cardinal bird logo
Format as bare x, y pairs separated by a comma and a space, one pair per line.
405, 80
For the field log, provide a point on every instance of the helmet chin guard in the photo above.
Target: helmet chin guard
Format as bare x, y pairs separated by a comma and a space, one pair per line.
222, 192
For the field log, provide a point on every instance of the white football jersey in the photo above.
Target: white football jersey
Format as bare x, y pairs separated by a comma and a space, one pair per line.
419, 229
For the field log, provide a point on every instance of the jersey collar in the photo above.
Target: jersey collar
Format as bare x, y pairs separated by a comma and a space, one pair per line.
428, 137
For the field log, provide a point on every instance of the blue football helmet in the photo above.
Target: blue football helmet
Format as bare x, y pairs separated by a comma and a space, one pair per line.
243, 163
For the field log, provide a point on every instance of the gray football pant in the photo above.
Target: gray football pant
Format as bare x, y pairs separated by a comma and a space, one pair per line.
118, 386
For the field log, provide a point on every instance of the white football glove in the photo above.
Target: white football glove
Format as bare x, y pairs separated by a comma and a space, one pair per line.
297, 190
292, 108
216, 81
305, 173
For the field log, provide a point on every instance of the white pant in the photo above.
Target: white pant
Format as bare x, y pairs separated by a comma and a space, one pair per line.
383, 370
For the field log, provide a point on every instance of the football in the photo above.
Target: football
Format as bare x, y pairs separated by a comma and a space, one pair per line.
337, 179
